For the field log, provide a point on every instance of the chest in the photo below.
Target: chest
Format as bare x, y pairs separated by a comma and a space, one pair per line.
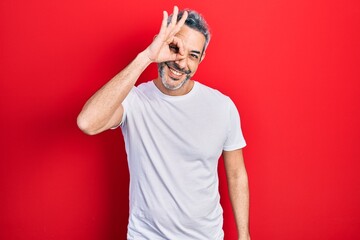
183, 128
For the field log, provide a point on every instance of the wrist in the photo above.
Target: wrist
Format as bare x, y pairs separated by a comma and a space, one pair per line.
143, 58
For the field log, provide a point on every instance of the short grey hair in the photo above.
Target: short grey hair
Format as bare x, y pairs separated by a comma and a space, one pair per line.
197, 22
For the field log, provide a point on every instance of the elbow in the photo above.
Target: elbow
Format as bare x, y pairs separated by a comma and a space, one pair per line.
238, 177
84, 125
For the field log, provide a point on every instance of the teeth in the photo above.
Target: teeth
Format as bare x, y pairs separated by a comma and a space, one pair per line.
175, 72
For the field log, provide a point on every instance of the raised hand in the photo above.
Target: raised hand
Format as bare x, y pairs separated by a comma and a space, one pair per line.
166, 46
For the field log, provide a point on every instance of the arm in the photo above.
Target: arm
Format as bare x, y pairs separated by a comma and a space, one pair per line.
104, 110
238, 190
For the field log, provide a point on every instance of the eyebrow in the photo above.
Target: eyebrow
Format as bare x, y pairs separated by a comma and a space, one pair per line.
194, 51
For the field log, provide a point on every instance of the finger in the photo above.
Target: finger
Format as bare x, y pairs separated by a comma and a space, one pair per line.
164, 23
174, 16
182, 20
179, 43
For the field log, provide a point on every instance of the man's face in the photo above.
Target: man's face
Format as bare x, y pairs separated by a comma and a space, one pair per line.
174, 74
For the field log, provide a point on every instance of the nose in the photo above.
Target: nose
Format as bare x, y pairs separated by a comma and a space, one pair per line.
182, 61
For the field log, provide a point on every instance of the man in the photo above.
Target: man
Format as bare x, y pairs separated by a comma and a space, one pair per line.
175, 130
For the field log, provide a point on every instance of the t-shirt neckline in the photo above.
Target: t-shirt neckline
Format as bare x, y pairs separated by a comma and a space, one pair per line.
181, 97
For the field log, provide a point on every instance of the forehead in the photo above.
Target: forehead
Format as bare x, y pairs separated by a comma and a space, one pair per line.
192, 39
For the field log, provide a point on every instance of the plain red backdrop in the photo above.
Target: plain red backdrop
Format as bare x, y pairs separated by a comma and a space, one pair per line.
291, 67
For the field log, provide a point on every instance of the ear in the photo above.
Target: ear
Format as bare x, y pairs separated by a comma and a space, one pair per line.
202, 56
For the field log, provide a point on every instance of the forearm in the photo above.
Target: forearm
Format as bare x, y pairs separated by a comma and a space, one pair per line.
239, 197
103, 109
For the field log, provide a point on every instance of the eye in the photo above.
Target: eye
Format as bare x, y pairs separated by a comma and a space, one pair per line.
195, 56
174, 48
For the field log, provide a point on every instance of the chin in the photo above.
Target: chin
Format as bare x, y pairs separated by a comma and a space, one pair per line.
167, 82
176, 84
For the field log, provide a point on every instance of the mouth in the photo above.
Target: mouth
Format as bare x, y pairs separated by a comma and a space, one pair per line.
176, 73
173, 77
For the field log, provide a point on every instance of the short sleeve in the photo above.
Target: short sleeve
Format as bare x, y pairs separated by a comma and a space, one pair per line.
126, 103
235, 139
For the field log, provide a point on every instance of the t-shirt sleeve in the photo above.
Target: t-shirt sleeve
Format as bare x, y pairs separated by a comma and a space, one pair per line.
126, 103
235, 139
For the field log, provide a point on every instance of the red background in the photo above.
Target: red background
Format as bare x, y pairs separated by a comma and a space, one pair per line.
291, 67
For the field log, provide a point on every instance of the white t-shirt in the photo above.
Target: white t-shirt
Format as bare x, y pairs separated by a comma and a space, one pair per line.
173, 144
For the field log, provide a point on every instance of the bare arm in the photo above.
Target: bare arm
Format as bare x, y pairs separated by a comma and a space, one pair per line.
104, 110
238, 190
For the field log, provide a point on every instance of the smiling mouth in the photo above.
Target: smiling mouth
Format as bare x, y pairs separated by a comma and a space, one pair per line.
176, 71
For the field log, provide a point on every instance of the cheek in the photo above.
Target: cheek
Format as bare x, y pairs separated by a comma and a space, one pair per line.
193, 67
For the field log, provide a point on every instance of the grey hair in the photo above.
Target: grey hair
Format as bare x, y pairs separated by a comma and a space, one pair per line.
197, 22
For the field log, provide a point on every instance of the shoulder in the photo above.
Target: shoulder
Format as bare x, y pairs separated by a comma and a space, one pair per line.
144, 89
145, 86
213, 94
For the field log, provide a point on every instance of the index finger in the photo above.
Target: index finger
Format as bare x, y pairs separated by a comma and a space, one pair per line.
178, 42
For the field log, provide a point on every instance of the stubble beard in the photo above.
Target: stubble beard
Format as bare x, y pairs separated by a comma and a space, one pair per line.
161, 70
